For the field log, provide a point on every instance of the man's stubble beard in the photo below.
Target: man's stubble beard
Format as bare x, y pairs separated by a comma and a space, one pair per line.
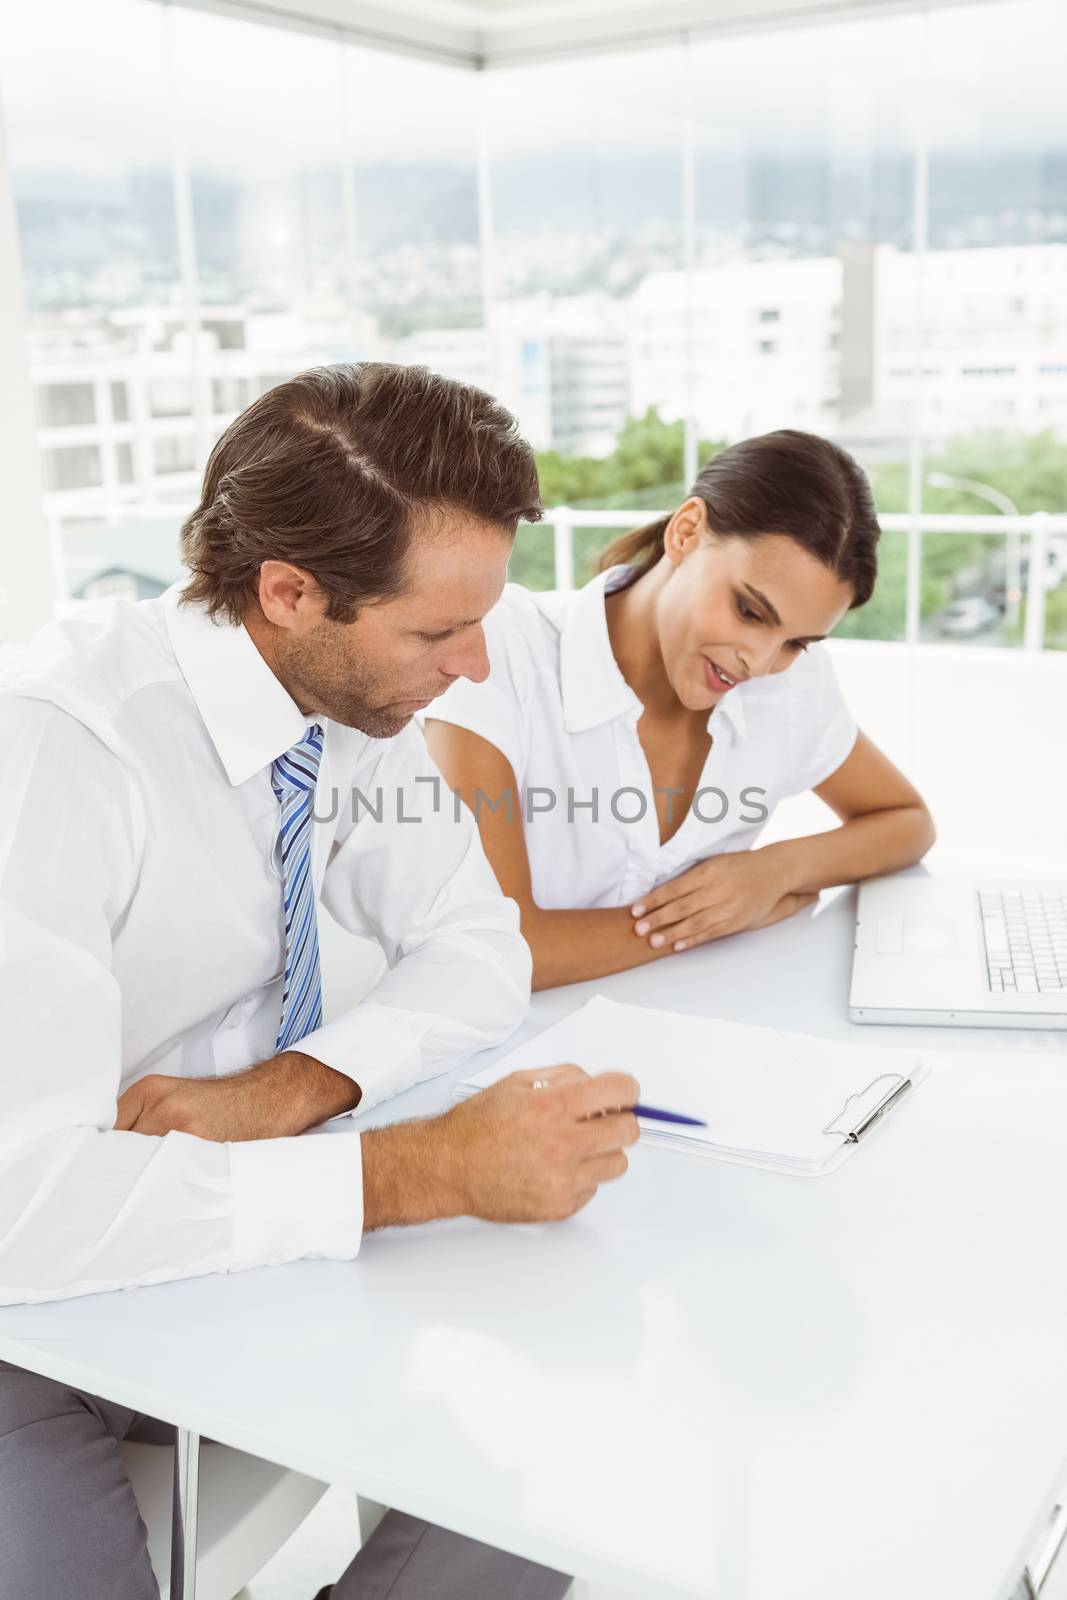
375, 723
319, 674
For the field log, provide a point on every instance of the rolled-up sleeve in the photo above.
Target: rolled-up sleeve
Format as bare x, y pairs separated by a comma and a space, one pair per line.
84, 1208
410, 871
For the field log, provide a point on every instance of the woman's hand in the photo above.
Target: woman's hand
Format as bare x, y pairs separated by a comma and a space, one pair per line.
725, 894
885, 826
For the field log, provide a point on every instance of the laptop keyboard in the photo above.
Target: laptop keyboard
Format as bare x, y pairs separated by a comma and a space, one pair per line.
1025, 939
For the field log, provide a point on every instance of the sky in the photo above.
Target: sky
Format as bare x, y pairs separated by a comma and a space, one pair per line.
92, 87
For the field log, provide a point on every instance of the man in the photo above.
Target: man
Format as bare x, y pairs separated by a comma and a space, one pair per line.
183, 780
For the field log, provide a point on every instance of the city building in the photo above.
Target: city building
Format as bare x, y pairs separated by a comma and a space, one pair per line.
130, 402
561, 363
742, 347
831, 344
991, 325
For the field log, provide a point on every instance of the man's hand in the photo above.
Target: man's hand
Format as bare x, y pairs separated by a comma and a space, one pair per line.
510, 1154
725, 894
274, 1099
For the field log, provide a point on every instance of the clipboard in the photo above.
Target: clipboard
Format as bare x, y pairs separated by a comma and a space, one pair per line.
789, 1102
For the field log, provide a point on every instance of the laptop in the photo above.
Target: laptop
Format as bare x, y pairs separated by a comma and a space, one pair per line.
960, 954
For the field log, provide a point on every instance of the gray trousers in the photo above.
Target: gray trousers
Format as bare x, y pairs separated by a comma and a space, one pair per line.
70, 1528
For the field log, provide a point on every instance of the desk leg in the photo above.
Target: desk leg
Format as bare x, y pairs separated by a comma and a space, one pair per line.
183, 1524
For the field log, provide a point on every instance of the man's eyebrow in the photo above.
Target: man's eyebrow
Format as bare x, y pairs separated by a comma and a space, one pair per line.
451, 627
808, 638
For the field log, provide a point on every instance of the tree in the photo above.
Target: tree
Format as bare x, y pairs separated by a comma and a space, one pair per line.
644, 471
647, 467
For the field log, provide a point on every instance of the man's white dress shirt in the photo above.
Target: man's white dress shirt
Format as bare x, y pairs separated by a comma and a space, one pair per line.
558, 707
141, 932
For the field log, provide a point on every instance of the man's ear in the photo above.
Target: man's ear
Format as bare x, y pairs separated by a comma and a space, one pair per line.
289, 596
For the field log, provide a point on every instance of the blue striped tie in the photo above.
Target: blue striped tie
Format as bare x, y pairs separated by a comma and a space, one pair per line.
293, 777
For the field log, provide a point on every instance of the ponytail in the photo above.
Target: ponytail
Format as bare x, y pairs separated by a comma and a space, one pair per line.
640, 549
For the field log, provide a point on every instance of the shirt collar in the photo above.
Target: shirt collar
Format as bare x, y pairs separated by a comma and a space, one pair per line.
730, 709
592, 687
248, 714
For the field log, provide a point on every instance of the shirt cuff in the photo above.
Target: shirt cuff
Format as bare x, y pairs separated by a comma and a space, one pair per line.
296, 1198
376, 1046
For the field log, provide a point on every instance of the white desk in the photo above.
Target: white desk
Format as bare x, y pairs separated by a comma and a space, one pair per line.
715, 1381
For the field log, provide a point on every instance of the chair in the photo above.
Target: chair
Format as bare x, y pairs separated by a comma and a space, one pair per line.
247, 1510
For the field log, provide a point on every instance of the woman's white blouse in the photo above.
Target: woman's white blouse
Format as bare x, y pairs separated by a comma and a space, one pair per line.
557, 707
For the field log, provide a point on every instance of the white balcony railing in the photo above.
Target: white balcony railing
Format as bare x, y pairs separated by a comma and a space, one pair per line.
1046, 534
1040, 528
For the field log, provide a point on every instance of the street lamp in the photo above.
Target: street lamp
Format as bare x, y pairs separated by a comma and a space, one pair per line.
1007, 508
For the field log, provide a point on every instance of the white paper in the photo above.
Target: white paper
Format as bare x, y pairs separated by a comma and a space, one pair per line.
765, 1094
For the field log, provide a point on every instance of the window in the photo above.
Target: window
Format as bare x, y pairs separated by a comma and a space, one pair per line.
285, 277
229, 394
170, 397
996, 218
588, 224
639, 320
72, 467
226, 335
805, 152
174, 455
64, 405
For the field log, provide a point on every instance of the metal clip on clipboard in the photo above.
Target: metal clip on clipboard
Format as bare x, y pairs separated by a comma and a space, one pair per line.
853, 1132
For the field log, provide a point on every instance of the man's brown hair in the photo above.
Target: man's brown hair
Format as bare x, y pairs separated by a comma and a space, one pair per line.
334, 469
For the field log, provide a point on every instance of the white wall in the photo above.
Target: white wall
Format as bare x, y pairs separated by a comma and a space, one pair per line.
981, 732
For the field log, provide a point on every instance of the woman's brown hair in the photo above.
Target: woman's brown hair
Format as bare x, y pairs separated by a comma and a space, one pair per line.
787, 482
331, 471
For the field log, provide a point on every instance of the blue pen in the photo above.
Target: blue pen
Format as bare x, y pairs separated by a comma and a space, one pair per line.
667, 1116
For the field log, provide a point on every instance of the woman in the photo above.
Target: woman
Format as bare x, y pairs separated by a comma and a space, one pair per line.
633, 737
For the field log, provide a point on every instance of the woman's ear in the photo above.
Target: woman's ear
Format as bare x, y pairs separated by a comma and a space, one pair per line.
687, 528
